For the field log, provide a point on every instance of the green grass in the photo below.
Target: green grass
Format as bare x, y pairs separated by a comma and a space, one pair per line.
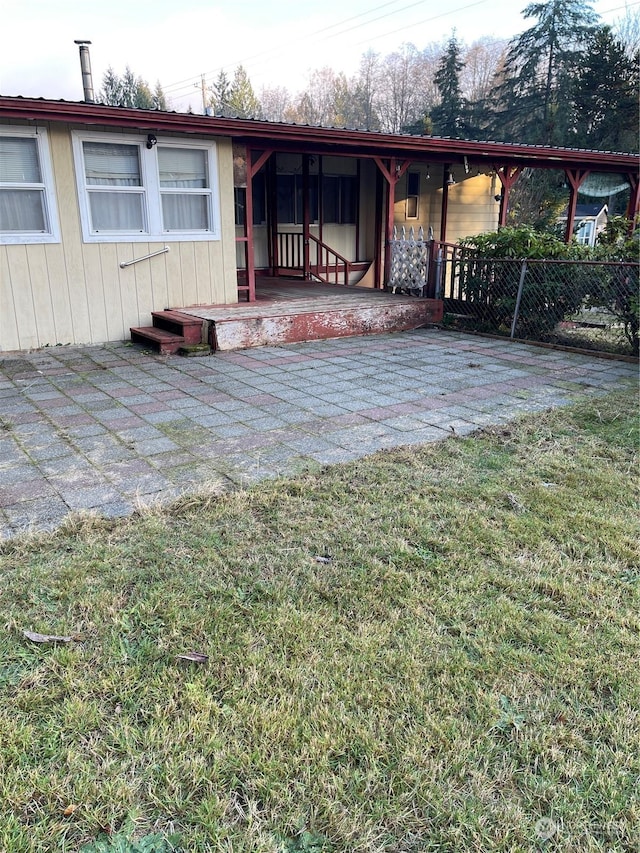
459, 674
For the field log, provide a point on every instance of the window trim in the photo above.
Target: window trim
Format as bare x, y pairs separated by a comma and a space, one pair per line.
150, 190
46, 186
412, 196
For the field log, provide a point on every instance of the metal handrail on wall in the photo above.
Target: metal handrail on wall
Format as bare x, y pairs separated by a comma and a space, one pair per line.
144, 257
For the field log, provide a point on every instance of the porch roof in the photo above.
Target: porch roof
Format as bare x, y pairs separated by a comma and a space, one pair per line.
279, 136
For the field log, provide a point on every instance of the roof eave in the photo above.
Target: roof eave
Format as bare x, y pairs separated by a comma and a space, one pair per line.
310, 138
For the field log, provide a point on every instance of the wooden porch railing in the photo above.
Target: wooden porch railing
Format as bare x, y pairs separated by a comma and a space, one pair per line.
328, 266
290, 250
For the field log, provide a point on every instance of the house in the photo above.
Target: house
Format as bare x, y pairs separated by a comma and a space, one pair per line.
108, 214
590, 221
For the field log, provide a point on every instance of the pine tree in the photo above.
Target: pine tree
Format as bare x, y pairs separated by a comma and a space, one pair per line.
220, 92
606, 99
541, 66
130, 91
447, 116
111, 92
159, 98
242, 102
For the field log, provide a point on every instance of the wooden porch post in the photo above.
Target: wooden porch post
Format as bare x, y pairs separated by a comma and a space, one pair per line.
378, 231
249, 252
306, 218
575, 178
508, 175
445, 203
392, 175
247, 239
633, 208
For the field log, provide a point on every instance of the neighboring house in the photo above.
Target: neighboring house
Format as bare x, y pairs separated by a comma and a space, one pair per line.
590, 220
200, 203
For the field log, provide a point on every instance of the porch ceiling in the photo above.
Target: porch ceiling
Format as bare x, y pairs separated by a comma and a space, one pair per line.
319, 140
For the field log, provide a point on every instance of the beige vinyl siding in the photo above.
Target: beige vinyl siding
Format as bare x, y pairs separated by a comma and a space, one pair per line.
472, 208
75, 292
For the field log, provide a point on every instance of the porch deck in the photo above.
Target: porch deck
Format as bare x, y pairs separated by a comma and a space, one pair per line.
291, 311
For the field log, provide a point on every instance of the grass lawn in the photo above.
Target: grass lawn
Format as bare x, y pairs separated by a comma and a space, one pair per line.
459, 671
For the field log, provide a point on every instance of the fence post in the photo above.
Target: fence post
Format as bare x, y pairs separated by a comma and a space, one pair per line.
523, 273
438, 292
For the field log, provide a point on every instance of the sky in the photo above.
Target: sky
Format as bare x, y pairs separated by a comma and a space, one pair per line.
280, 43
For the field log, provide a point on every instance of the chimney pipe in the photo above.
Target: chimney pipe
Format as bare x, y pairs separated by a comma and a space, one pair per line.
85, 67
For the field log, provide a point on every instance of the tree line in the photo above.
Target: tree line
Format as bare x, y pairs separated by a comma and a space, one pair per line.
568, 80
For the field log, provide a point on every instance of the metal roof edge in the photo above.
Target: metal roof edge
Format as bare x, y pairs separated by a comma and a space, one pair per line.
279, 133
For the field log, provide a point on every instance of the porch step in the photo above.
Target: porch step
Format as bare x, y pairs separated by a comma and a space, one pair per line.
171, 332
159, 339
180, 324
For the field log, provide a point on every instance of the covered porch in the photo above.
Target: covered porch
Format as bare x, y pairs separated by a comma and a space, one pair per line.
447, 188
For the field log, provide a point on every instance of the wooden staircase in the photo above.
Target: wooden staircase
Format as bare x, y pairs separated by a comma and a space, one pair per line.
172, 332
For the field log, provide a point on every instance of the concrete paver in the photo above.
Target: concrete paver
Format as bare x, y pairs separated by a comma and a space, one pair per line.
107, 428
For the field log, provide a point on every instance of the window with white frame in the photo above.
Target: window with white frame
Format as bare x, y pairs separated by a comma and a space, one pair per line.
27, 197
584, 232
130, 190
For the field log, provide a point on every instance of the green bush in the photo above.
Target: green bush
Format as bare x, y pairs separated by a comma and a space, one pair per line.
554, 292
619, 287
490, 283
524, 242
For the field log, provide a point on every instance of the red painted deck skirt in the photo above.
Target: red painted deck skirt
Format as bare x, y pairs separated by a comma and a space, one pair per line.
290, 313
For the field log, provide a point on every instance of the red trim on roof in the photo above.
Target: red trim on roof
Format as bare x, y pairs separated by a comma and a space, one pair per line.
339, 141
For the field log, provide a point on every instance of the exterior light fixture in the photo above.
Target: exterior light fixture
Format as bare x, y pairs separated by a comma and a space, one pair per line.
450, 179
498, 197
151, 141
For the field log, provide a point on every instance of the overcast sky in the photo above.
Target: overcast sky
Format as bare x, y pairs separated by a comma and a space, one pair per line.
279, 44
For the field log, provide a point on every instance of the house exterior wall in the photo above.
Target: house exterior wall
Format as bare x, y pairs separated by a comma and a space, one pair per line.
75, 292
472, 208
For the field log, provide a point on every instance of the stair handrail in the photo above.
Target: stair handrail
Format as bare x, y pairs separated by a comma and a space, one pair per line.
144, 257
345, 263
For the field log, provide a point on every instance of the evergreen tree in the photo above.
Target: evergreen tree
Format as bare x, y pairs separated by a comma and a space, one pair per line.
541, 66
159, 98
447, 116
130, 91
135, 91
242, 102
606, 99
220, 92
111, 92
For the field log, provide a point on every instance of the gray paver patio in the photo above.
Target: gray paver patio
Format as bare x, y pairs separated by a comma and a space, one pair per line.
108, 428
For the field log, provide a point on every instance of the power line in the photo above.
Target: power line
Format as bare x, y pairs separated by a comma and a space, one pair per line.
176, 87
431, 19
309, 35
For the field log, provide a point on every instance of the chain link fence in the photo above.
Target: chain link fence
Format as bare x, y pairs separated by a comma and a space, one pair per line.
582, 304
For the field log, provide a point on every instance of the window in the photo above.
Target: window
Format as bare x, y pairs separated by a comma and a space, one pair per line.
339, 199
27, 198
130, 191
290, 199
584, 233
413, 194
